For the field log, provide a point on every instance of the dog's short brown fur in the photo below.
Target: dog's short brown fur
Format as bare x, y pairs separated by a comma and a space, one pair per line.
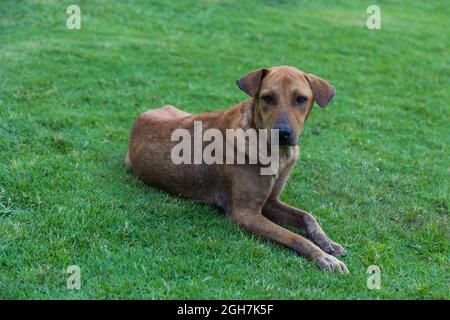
281, 97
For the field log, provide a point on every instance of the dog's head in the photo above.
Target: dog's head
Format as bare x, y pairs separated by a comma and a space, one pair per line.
283, 98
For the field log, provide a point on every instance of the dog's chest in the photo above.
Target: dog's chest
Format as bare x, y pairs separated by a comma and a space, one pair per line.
288, 157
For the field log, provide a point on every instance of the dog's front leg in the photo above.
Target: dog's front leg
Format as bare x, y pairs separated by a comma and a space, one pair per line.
260, 225
308, 225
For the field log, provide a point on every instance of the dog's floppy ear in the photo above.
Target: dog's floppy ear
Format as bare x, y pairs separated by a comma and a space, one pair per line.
323, 92
250, 82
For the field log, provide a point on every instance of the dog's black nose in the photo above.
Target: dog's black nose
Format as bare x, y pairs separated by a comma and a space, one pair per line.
285, 134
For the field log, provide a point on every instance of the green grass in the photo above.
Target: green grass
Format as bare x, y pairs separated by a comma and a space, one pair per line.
376, 174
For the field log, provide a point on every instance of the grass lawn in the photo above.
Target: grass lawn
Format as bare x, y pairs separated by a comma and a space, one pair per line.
374, 166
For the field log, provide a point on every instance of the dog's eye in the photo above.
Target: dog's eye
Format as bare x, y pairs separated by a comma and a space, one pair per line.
300, 99
268, 99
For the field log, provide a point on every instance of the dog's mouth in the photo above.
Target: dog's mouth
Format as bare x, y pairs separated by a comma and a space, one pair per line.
292, 142
288, 141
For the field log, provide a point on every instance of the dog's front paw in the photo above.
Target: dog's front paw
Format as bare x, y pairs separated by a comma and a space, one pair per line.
332, 248
330, 263
337, 250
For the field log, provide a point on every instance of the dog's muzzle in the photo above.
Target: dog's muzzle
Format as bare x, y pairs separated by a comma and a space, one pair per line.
286, 135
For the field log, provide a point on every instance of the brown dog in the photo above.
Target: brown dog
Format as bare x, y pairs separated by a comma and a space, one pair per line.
281, 98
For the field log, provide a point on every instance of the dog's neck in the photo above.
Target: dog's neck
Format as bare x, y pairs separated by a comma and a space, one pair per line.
247, 108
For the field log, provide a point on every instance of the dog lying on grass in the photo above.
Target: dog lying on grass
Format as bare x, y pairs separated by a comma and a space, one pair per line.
281, 99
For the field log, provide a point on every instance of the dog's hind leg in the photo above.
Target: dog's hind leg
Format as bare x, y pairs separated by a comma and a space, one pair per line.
168, 112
